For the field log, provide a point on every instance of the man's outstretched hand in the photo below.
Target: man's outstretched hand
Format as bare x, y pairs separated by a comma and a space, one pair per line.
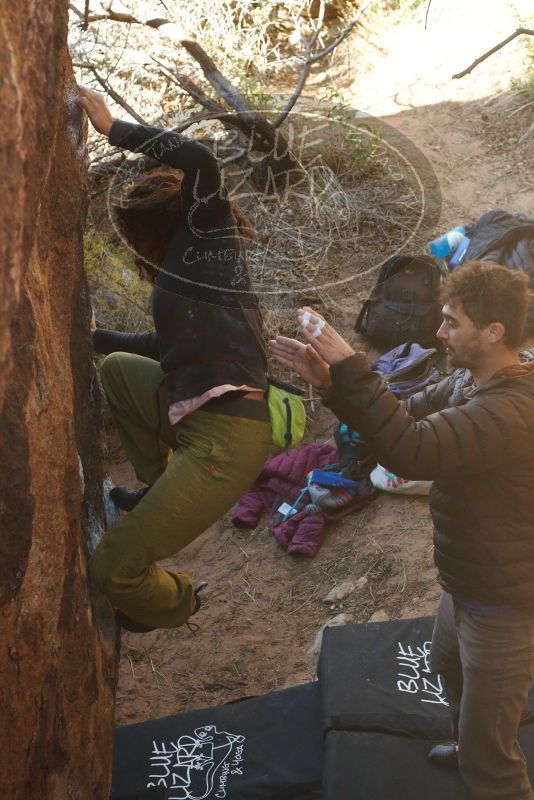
97, 111
302, 359
326, 342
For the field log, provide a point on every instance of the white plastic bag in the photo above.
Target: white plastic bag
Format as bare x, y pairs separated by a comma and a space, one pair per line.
386, 481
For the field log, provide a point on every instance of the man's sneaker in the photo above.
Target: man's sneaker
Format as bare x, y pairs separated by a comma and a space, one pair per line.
444, 755
127, 499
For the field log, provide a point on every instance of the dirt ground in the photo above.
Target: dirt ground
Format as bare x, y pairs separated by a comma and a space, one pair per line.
264, 608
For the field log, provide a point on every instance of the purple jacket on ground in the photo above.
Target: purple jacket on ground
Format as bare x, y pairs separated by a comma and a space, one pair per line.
281, 480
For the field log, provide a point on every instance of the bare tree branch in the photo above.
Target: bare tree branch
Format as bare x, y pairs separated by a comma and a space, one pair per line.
309, 60
318, 26
86, 16
112, 93
343, 35
218, 81
108, 162
190, 87
120, 16
215, 78
305, 71
216, 111
260, 129
76, 10
100, 169
427, 11
262, 134
493, 50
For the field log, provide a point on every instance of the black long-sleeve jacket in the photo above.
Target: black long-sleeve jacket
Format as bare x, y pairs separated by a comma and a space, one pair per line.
477, 445
208, 328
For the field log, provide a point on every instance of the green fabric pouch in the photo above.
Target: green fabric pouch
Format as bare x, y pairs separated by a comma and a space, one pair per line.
287, 414
286, 410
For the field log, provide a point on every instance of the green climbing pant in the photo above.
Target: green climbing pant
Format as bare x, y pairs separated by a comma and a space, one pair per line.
196, 470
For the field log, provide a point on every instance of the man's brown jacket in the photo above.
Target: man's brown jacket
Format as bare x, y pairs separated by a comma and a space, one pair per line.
477, 445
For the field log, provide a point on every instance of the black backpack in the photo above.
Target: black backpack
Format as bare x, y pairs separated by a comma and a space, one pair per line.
507, 239
404, 304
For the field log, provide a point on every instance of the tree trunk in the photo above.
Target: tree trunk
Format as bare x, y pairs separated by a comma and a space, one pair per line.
58, 646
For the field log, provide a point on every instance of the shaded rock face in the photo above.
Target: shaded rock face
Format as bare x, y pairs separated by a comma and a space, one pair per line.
58, 645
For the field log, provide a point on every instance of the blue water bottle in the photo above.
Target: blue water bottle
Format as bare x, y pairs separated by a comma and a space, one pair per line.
459, 253
444, 245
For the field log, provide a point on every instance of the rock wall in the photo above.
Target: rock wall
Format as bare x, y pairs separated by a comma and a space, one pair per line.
58, 647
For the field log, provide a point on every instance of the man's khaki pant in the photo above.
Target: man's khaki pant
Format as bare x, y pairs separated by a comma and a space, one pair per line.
488, 665
196, 469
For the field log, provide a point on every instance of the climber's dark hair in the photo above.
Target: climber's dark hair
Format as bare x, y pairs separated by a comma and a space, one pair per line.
149, 212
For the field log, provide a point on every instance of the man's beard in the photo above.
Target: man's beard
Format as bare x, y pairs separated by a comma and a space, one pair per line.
454, 360
468, 357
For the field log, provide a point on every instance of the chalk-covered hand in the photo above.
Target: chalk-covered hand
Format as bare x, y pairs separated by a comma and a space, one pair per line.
325, 341
97, 111
302, 359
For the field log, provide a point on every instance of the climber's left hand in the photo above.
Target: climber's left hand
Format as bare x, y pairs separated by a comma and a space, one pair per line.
97, 111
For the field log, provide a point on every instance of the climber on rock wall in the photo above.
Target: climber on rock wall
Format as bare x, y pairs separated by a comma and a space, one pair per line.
188, 398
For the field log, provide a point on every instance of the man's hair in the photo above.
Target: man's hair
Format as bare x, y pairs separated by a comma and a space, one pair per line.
490, 293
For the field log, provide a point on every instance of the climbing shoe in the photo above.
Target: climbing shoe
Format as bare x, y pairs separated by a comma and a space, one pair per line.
127, 499
197, 589
130, 624
444, 755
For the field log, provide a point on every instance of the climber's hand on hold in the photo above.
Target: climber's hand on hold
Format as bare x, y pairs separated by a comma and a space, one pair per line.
92, 325
97, 111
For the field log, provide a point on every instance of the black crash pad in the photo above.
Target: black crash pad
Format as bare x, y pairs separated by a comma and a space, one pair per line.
265, 748
375, 766
375, 677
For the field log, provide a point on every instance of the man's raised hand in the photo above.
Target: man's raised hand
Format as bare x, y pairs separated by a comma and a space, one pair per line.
302, 359
325, 341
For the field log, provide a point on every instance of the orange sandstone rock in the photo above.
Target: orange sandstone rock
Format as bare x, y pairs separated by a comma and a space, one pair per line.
58, 649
